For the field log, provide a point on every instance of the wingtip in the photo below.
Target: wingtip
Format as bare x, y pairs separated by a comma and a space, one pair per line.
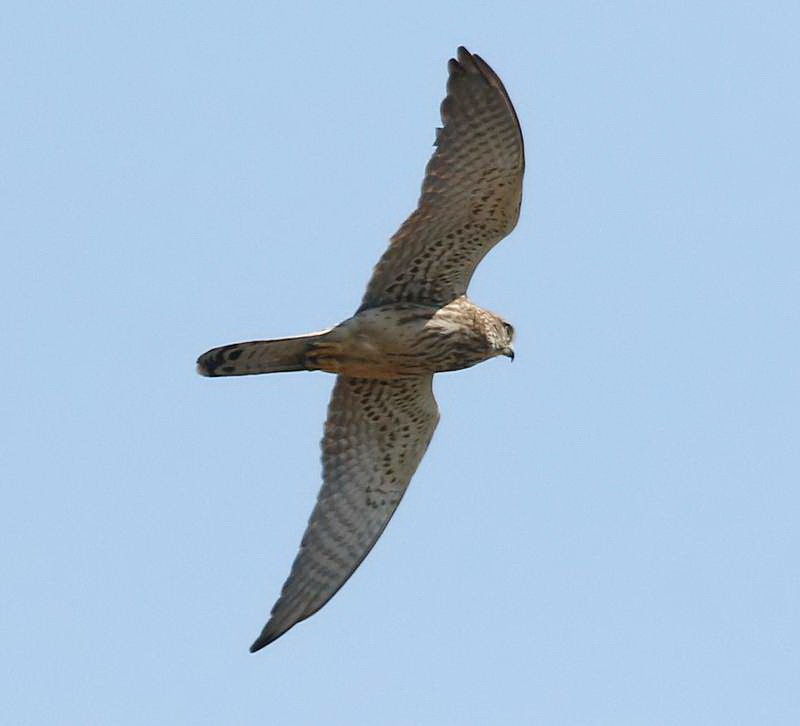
465, 58
462, 56
262, 641
269, 634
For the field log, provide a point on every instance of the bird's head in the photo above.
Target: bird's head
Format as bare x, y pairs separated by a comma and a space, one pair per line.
502, 338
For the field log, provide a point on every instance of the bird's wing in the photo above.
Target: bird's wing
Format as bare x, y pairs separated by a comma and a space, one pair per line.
470, 198
375, 436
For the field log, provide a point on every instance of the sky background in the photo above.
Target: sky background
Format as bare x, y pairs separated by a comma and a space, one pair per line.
603, 533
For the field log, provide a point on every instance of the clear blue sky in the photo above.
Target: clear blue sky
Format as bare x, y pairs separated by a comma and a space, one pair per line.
603, 533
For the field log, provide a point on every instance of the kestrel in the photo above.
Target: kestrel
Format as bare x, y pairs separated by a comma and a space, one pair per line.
415, 320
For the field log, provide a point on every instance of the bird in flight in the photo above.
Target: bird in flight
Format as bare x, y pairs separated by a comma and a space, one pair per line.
415, 320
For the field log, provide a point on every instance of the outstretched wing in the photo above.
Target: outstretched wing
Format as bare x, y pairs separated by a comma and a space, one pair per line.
470, 196
375, 436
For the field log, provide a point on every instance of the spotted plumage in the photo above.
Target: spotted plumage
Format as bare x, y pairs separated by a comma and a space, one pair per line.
414, 320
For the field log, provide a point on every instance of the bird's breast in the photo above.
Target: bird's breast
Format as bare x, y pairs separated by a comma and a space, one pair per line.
401, 340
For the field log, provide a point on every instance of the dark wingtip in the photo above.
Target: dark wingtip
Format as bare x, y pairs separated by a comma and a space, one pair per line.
270, 634
262, 642
465, 58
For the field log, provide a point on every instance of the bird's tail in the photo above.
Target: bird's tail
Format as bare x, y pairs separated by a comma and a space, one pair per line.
258, 356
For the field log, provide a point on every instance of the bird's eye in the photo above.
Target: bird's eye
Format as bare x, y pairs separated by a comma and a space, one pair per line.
509, 329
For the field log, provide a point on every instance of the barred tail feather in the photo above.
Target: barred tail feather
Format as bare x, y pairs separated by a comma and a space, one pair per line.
258, 356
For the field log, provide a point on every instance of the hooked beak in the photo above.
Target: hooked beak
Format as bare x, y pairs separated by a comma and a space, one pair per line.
509, 353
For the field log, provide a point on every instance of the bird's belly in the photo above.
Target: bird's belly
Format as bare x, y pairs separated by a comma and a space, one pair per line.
397, 341
366, 360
